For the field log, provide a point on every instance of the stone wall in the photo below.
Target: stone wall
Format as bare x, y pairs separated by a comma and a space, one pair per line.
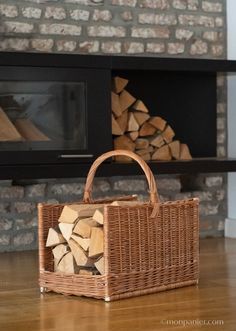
173, 28
167, 27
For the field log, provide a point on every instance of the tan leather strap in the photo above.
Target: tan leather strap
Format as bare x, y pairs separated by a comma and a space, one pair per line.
154, 198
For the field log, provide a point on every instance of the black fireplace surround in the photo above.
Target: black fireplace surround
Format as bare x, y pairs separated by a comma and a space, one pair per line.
68, 97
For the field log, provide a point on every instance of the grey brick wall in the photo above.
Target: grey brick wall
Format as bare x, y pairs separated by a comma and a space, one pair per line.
173, 28
168, 27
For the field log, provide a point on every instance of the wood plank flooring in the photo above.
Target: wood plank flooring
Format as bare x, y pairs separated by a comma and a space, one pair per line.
213, 301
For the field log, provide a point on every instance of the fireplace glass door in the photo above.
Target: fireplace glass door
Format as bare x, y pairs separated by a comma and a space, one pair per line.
42, 115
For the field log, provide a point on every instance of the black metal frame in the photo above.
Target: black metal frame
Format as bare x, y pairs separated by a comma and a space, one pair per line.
98, 70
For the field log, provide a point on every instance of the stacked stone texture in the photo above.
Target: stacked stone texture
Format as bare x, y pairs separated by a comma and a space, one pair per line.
173, 28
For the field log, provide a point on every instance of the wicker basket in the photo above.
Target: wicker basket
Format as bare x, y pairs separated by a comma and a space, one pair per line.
148, 248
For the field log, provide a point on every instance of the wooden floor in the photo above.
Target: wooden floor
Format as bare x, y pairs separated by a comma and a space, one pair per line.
212, 301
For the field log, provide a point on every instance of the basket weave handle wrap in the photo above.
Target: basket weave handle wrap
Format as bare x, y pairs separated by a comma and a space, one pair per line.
154, 198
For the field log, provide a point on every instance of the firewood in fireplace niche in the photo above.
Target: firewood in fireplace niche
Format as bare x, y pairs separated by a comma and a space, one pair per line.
119, 84
115, 104
126, 100
8, 132
116, 130
151, 137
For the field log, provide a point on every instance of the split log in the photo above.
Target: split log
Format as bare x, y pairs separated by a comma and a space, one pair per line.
83, 242
126, 100
8, 132
175, 149
29, 131
96, 243
147, 130
141, 117
119, 83
132, 123
88, 272
98, 216
168, 134
185, 153
84, 227
67, 265
79, 254
133, 135
115, 104
116, 130
157, 140
59, 251
123, 121
158, 122
141, 143
140, 106
145, 156
162, 153
71, 213
100, 265
143, 151
124, 142
54, 238
66, 230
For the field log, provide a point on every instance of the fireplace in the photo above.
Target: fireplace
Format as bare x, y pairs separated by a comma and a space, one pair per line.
59, 112
60, 105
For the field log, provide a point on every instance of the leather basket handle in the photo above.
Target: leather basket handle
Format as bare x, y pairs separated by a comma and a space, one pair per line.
154, 198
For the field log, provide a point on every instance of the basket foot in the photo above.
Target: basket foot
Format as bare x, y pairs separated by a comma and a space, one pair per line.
42, 289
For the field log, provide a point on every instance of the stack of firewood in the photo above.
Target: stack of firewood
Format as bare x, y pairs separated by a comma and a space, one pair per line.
77, 242
135, 130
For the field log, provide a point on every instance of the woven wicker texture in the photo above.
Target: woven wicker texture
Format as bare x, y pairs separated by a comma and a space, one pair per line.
144, 251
